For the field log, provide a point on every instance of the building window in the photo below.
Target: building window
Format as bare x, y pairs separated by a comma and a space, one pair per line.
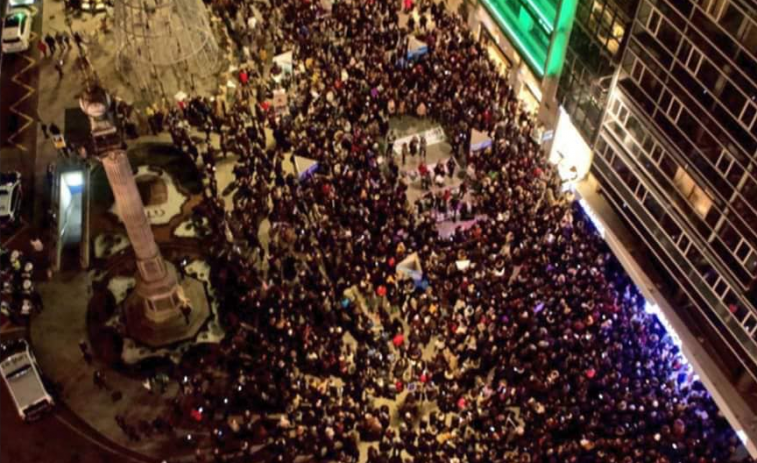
670, 227
654, 22
749, 187
654, 208
683, 243
748, 115
668, 165
729, 236
712, 218
641, 193
695, 59
735, 174
732, 98
724, 163
749, 39
714, 8
731, 19
696, 259
664, 101
668, 36
656, 153
622, 114
615, 107
638, 71
720, 287
751, 263
606, 25
709, 76
696, 196
674, 109
635, 129
743, 250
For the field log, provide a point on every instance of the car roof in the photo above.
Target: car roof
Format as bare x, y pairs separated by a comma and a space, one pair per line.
26, 387
9, 186
15, 17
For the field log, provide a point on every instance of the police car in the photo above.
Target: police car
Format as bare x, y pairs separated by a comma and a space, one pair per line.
21, 374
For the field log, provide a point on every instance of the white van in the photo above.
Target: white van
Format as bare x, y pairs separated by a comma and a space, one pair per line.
17, 29
21, 374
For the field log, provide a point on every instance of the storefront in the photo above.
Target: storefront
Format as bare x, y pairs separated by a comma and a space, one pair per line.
569, 152
506, 56
529, 38
501, 61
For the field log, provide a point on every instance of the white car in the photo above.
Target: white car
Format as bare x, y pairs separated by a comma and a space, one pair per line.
17, 29
10, 197
21, 374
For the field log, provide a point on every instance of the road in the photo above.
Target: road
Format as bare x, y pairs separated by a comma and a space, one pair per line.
59, 437
19, 79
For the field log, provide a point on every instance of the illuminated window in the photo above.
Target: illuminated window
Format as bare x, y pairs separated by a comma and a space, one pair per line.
696, 196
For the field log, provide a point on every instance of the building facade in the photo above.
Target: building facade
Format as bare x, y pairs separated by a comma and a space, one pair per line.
663, 94
676, 154
593, 57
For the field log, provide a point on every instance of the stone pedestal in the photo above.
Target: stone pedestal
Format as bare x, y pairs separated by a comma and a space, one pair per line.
154, 316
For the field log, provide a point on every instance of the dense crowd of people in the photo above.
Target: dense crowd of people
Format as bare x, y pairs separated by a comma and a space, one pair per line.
18, 296
537, 349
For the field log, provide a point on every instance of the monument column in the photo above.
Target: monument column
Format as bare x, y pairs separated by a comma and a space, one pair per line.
160, 310
154, 279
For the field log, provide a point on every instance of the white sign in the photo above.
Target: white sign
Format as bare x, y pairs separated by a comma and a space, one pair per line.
433, 136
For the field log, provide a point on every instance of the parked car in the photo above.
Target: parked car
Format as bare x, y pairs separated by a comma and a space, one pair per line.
22, 376
17, 29
10, 197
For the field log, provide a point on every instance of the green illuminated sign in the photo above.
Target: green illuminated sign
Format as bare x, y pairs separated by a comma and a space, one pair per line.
546, 10
561, 36
532, 25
